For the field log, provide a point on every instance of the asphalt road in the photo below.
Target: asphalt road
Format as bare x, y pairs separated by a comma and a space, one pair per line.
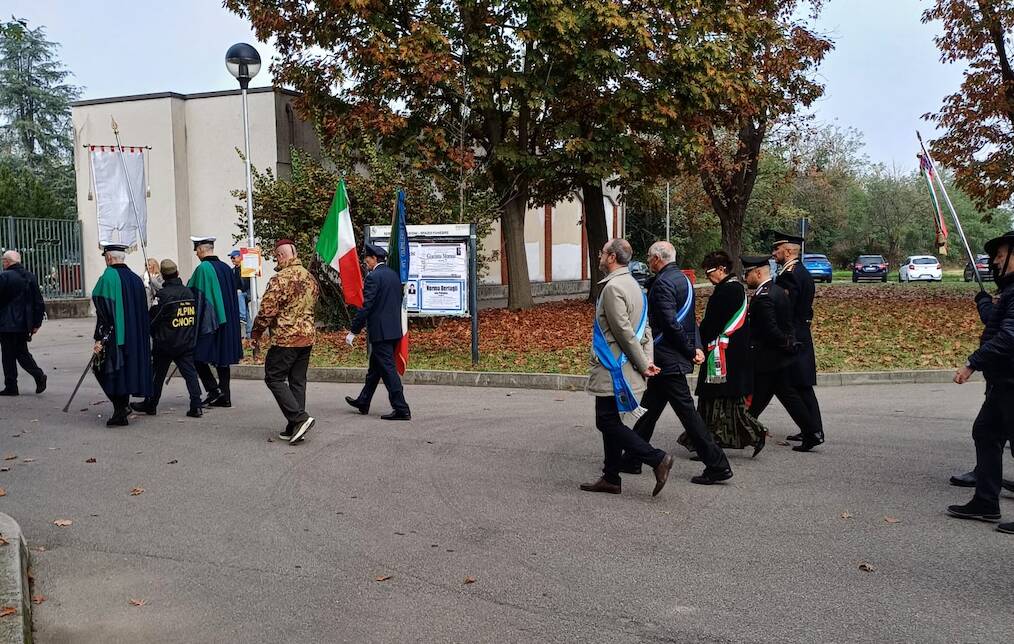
236, 538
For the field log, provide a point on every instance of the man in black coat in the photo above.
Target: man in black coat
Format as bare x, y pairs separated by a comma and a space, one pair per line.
774, 350
677, 349
799, 286
173, 315
381, 315
994, 425
21, 312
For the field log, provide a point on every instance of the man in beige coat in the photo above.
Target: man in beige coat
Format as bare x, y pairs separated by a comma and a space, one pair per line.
621, 361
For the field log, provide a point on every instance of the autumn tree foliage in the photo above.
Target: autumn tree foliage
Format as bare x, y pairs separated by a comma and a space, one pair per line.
978, 120
774, 52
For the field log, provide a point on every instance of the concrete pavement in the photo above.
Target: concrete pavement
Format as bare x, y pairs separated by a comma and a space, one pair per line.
238, 539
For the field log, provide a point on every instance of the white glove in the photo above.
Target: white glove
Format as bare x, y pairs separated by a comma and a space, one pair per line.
350, 339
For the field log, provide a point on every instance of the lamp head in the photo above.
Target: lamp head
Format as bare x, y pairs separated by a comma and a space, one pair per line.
243, 62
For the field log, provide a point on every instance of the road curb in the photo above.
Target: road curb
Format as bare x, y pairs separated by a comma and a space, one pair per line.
564, 382
14, 589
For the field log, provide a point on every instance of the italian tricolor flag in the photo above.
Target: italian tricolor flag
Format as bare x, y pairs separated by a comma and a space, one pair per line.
337, 247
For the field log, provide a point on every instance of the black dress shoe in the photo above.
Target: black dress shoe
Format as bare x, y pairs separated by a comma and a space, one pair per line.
1006, 528
221, 401
212, 396
795, 437
711, 477
759, 445
195, 412
9, 392
975, 511
144, 408
40, 384
362, 409
809, 442
397, 415
118, 420
964, 480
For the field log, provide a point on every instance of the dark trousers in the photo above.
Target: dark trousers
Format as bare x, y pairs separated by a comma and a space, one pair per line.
770, 384
382, 368
285, 375
810, 400
992, 428
14, 349
674, 390
185, 365
209, 382
618, 439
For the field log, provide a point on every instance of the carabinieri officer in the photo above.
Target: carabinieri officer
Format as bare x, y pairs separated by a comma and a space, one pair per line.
798, 285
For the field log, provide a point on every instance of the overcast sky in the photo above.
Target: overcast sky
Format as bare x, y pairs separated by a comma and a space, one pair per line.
883, 74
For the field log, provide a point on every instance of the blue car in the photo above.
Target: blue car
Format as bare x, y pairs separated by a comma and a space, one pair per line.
819, 267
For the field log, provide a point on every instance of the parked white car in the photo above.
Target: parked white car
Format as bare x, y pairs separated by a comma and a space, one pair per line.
925, 268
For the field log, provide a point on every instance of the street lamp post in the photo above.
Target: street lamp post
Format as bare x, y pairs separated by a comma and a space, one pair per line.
243, 62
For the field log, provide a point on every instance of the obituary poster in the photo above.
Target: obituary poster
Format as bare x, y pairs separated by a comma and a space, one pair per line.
412, 296
442, 296
441, 260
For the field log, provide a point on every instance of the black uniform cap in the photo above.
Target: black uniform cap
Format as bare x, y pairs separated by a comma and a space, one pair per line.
370, 250
754, 261
785, 238
113, 247
994, 244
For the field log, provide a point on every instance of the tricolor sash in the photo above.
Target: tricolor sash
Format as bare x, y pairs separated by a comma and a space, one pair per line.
717, 370
684, 310
625, 399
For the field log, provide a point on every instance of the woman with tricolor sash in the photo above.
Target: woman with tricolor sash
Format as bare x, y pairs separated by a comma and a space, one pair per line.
726, 377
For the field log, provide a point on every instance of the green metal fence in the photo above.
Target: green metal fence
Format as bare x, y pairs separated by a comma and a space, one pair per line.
50, 248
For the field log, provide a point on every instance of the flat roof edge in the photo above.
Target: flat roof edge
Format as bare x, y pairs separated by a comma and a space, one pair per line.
184, 97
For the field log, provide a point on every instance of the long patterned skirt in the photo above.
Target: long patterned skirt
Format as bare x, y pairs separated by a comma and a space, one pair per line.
727, 418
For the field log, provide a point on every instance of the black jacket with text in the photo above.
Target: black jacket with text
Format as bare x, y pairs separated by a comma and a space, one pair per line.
173, 319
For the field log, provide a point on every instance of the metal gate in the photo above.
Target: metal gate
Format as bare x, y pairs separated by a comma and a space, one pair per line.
50, 248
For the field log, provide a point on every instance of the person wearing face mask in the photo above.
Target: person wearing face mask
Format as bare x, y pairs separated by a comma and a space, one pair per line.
994, 425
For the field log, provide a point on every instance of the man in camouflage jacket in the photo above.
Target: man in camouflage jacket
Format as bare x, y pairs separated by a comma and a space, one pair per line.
286, 311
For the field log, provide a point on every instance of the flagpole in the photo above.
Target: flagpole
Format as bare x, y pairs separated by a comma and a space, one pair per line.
954, 214
130, 192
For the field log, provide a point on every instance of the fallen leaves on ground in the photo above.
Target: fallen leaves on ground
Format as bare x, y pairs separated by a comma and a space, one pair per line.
866, 566
469, 580
846, 515
172, 462
90, 460
891, 520
137, 491
137, 602
3, 541
856, 328
38, 599
10, 456
28, 460
7, 611
382, 578
63, 523
3, 492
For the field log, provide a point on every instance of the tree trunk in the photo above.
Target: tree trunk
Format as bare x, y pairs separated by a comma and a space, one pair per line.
732, 236
597, 231
519, 286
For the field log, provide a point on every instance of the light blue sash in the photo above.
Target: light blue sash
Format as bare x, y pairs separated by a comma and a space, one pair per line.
684, 310
625, 399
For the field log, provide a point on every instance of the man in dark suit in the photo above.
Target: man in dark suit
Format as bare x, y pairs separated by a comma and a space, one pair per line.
798, 285
677, 346
21, 312
774, 350
381, 315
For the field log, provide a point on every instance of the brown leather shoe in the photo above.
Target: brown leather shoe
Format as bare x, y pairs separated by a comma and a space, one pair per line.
662, 473
601, 485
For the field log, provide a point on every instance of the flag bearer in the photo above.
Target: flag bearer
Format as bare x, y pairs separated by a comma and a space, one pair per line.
286, 312
381, 316
994, 425
218, 344
123, 353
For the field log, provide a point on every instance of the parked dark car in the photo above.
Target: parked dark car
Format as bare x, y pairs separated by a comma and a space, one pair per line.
870, 267
981, 265
819, 267
640, 272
